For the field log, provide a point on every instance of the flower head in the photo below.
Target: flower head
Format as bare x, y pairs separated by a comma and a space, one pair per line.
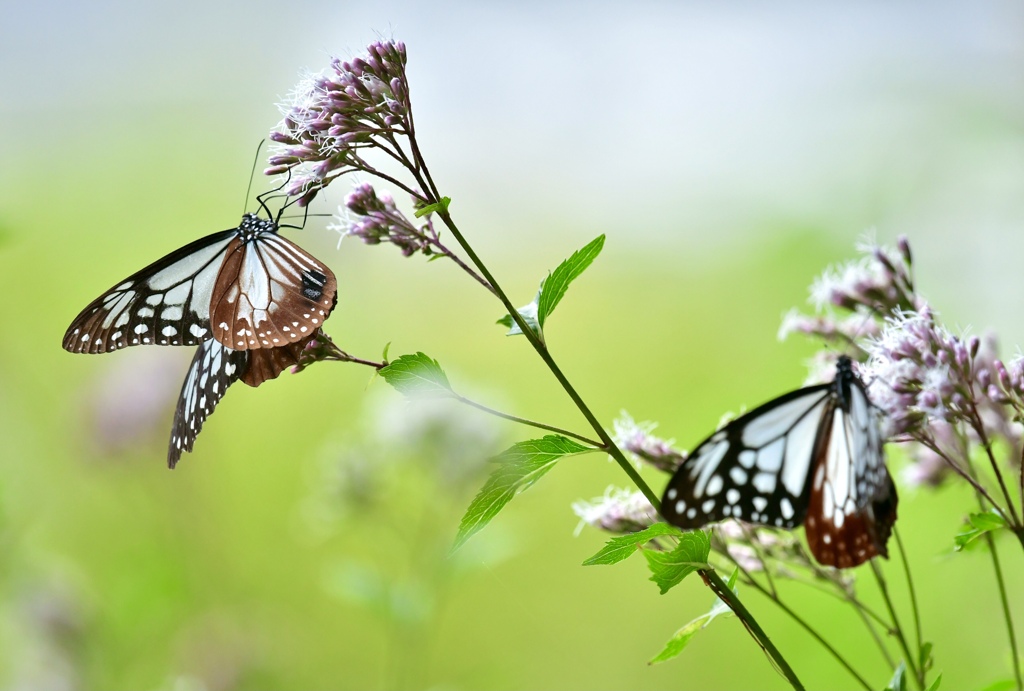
375, 219
332, 116
636, 438
618, 511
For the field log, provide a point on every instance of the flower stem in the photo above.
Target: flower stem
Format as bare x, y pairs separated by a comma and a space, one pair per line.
606, 441
1006, 609
524, 421
722, 590
913, 598
608, 445
910, 659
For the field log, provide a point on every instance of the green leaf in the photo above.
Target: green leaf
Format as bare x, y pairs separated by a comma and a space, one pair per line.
924, 657
529, 315
554, 286
681, 638
623, 546
431, 208
1001, 685
417, 376
977, 525
384, 355
668, 569
519, 466
934, 686
552, 289
899, 678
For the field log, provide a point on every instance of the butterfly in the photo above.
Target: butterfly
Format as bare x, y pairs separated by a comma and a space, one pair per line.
813, 456
214, 368
247, 287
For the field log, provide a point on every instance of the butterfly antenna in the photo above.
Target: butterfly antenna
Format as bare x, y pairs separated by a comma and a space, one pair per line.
269, 194
252, 174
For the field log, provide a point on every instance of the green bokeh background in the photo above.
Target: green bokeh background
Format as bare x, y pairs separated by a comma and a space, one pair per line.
730, 154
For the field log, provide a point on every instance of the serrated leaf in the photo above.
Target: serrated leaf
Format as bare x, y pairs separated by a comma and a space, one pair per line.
554, 286
624, 546
681, 638
899, 678
431, 208
668, 569
934, 686
519, 466
552, 289
977, 525
417, 376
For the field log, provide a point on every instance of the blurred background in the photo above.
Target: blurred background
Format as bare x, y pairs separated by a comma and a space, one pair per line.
730, 151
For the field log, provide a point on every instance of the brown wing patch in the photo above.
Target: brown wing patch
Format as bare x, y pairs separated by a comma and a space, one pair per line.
270, 293
267, 363
849, 520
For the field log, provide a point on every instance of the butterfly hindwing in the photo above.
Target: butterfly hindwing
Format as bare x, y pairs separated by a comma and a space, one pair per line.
167, 303
755, 468
852, 503
270, 292
214, 368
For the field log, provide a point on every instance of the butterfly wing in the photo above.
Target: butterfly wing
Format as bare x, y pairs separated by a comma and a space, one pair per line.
756, 468
214, 368
270, 292
852, 503
167, 303
267, 363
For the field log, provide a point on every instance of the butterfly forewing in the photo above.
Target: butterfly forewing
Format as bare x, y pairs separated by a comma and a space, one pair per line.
214, 368
754, 469
167, 303
852, 503
270, 293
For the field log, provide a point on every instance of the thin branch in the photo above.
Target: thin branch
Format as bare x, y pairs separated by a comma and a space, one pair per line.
524, 421
910, 659
913, 597
1006, 609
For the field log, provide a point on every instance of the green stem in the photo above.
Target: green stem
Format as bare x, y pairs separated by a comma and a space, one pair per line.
524, 421
608, 445
606, 441
1006, 609
722, 590
911, 660
807, 627
913, 598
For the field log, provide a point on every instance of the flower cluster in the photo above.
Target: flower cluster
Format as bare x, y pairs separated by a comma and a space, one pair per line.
944, 391
636, 439
331, 117
378, 220
618, 511
881, 282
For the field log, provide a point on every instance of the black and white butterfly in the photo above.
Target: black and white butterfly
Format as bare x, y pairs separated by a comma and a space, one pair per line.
813, 456
214, 368
248, 287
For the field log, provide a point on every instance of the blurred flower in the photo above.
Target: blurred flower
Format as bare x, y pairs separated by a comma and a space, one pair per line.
331, 117
618, 511
880, 282
128, 404
636, 438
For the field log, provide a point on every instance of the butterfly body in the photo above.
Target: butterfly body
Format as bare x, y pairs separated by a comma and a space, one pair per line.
813, 457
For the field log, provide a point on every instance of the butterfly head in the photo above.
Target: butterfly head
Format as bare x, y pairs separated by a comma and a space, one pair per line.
252, 226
